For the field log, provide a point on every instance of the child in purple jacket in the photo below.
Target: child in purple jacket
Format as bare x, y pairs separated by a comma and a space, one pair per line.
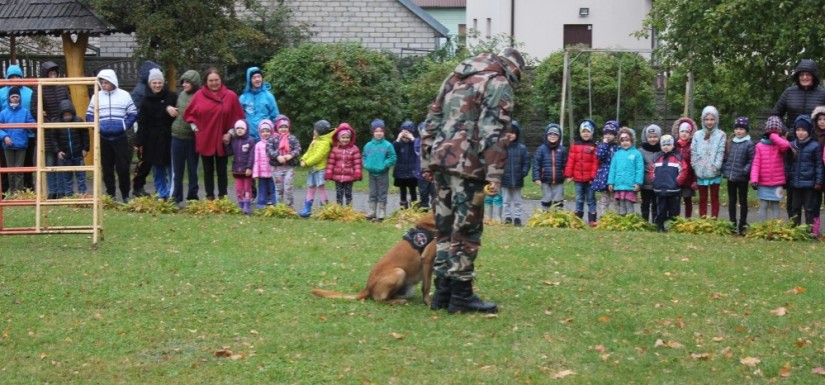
242, 146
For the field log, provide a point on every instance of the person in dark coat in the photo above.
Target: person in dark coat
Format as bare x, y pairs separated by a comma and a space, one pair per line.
549, 163
70, 145
142, 169
404, 172
804, 171
802, 97
153, 141
53, 96
516, 168
737, 170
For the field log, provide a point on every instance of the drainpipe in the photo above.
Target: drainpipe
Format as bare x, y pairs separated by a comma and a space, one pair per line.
512, 23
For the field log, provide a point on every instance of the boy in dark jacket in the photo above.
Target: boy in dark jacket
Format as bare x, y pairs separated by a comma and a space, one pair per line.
666, 173
737, 169
548, 167
803, 168
582, 165
516, 168
71, 146
406, 164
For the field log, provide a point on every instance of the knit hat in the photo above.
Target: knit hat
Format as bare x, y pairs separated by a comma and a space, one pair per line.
155, 74
14, 90
667, 140
774, 124
322, 127
265, 125
408, 125
742, 122
240, 124
685, 127
281, 120
804, 121
611, 127
552, 128
587, 125
653, 130
377, 123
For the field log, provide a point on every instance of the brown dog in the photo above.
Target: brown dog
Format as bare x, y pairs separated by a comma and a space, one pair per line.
395, 275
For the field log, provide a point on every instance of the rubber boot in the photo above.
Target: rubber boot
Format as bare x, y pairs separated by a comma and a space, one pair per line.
497, 213
245, 206
404, 205
591, 219
462, 299
307, 211
580, 214
371, 213
441, 297
381, 212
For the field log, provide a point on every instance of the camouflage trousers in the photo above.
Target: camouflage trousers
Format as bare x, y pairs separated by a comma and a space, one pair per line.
459, 218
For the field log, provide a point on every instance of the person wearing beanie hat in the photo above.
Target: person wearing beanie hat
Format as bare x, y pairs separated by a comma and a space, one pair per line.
153, 141
378, 157
667, 173
767, 174
283, 149
707, 153
242, 146
683, 130
604, 153
344, 164
184, 156
650, 148
257, 100
512, 182
581, 168
15, 140
316, 159
627, 172
736, 169
52, 96
261, 169
404, 172
139, 92
804, 172
549, 163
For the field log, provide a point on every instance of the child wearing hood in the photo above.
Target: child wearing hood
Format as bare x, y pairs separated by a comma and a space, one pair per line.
378, 156
707, 153
737, 170
242, 146
627, 172
650, 148
804, 171
316, 159
283, 149
667, 172
548, 168
15, 140
261, 169
257, 101
404, 172
683, 130
71, 146
581, 169
768, 170
512, 181
604, 153
344, 163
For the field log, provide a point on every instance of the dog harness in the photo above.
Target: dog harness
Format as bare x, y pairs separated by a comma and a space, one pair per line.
418, 239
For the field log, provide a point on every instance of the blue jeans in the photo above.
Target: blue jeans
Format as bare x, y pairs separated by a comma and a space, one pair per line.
184, 156
584, 192
161, 175
266, 192
67, 182
54, 180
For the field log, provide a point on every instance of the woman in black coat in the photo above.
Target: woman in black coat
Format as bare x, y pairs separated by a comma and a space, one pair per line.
154, 137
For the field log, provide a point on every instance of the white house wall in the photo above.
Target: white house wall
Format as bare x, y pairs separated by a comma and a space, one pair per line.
539, 24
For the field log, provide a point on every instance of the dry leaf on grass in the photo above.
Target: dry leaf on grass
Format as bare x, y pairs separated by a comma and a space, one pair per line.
784, 371
796, 290
750, 361
819, 371
397, 336
779, 312
668, 344
562, 374
701, 356
552, 283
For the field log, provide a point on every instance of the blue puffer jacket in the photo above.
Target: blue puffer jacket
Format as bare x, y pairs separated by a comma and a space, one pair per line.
518, 161
803, 164
626, 169
550, 161
19, 136
405, 164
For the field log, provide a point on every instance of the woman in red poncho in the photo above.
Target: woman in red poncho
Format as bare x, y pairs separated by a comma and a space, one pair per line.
212, 112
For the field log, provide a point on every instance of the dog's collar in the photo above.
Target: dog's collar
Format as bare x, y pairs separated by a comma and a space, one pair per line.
418, 238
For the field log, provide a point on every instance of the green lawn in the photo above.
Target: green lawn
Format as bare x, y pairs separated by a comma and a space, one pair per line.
164, 293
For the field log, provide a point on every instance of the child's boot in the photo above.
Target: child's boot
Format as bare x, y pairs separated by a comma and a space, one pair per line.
371, 213
591, 219
245, 206
307, 211
382, 210
580, 214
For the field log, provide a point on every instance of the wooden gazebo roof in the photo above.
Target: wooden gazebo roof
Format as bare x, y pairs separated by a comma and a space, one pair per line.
50, 17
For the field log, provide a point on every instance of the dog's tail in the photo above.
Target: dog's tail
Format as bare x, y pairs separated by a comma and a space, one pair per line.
334, 294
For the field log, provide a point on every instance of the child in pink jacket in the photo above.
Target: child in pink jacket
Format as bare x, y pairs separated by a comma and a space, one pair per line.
768, 169
262, 170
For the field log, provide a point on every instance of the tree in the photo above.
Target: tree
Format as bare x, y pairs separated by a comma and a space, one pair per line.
743, 50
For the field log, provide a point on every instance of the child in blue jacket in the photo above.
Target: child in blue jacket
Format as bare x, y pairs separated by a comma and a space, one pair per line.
378, 157
548, 167
516, 168
15, 140
627, 172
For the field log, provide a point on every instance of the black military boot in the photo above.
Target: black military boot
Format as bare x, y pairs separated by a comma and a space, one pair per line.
462, 299
441, 297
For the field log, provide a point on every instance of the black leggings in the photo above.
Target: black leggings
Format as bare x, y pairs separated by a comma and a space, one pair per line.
212, 164
738, 192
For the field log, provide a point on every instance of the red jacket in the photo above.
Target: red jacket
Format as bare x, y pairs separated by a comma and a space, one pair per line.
344, 163
214, 114
582, 163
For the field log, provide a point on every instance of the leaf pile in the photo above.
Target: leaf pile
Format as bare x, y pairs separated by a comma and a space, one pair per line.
336, 212
408, 216
150, 205
556, 219
632, 222
22, 195
704, 225
217, 206
779, 230
109, 203
281, 210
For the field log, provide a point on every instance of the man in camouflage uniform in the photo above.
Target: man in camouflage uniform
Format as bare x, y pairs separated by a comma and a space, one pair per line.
462, 150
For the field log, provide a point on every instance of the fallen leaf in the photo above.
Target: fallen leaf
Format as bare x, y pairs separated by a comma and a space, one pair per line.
779, 312
701, 356
715, 296
562, 374
253, 331
784, 371
490, 316
658, 343
397, 336
796, 290
222, 353
717, 339
567, 320
820, 371
548, 312
600, 348
43, 355
236, 357
604, 319
750, 361
552, 283
674, 345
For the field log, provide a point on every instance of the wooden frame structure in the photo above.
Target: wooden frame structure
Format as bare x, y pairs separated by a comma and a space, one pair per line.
41, 203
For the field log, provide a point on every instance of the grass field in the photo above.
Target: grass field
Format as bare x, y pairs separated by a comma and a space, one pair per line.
178, 299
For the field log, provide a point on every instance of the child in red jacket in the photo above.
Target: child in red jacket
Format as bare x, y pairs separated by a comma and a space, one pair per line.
582, 165
344, 163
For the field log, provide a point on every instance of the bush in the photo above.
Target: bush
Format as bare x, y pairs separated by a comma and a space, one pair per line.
556, 219
217, 206
281, 210
631, 222
702, 225
336, 212
778, 230
150, 204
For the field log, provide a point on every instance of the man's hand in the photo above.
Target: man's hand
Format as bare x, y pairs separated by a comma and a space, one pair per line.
427, 175
249, 172
172, 111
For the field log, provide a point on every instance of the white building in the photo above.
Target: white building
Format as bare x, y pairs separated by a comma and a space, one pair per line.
450, 13
546, 26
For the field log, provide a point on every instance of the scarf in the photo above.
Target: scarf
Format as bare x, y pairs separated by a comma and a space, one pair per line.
283, 146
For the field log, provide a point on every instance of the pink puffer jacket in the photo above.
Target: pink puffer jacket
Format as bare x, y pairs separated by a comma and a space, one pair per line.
768, 168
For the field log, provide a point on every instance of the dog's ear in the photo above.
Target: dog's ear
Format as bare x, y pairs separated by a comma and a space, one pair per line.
427, 222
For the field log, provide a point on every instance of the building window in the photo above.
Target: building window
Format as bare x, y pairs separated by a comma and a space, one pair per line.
489, 27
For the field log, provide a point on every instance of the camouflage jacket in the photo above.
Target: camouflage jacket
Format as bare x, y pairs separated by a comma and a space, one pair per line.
465, 126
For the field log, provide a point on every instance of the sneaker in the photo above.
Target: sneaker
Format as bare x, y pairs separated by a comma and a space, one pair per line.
592, 224
517, 222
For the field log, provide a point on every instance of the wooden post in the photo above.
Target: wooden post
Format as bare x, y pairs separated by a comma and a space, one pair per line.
75, 54
171, 77
563, 89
